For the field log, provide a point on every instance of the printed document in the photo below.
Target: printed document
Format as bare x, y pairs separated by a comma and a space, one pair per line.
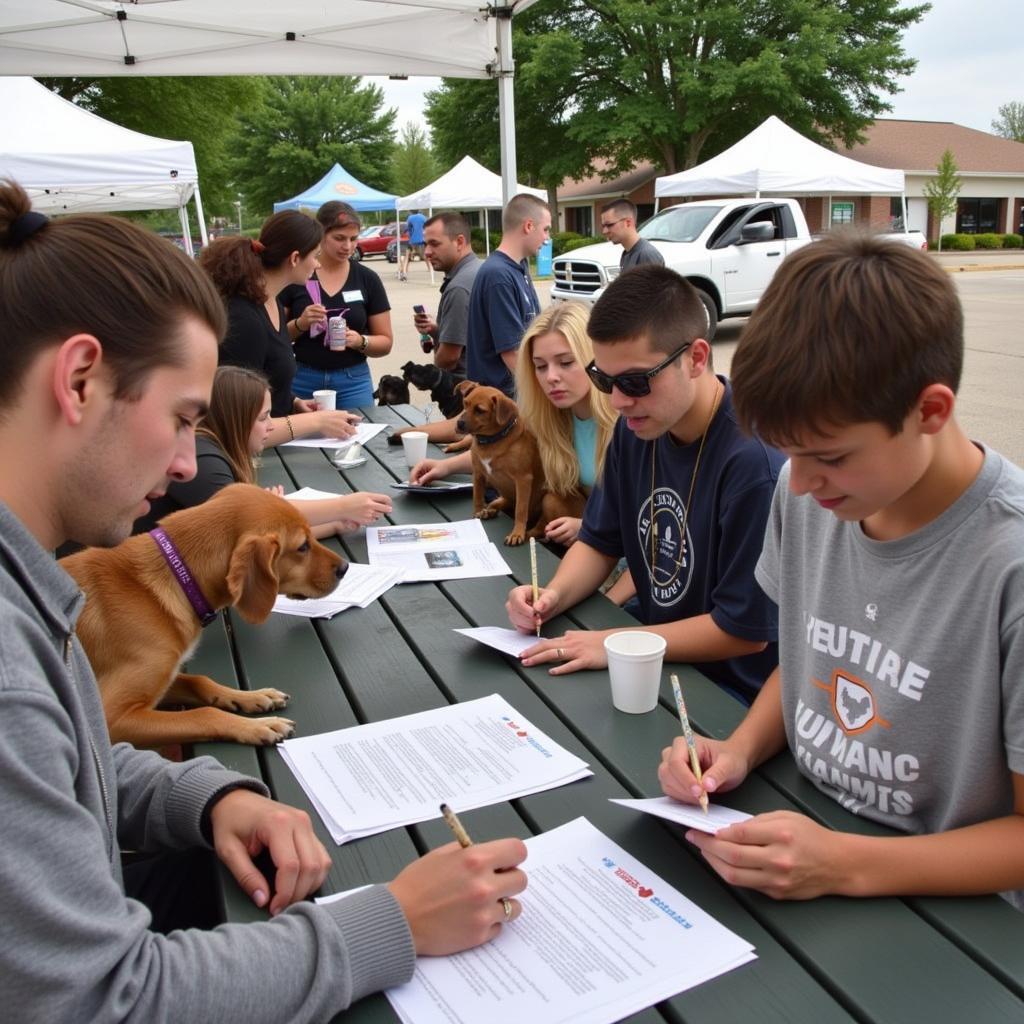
360, 587
371, 778
718, 817
364, 432
508, 641
600, 937
435, 551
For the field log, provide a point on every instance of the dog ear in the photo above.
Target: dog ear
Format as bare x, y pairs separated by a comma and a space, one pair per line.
505, 410
252, 579
464, 387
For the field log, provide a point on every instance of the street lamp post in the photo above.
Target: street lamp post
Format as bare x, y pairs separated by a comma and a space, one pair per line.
238, 208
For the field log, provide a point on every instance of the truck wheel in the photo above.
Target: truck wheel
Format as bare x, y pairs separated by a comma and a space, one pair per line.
712, 313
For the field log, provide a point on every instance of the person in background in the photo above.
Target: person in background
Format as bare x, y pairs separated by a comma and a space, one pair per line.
104, 382
230, 439
249, 273
618, 225
347, 288
503, 300
415, 225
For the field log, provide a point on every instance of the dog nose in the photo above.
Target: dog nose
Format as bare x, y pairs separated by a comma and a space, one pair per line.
460, 425
339, 573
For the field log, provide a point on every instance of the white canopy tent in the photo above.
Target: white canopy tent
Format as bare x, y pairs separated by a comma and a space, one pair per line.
775, 158
467, 186
71, 161
455, 38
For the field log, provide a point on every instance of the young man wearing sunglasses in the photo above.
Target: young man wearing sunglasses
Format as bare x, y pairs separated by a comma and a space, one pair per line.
684, 496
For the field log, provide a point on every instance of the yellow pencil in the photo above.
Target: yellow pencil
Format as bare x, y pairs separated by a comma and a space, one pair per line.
533, 575
456, 826
688, 733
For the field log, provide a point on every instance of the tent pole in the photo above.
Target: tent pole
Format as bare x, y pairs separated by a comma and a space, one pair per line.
430, 213
506, 105
903, 210
487, 232
656, 201
200, 216
186, 230
398, 237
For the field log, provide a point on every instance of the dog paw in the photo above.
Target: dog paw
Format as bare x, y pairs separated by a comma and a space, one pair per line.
267, 699
487, 513
515, 538
266, 732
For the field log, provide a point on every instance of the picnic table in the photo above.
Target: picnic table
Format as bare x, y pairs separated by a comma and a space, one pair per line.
825, 960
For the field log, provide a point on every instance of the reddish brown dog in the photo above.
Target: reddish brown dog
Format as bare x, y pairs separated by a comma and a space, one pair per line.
506, 457
243, 547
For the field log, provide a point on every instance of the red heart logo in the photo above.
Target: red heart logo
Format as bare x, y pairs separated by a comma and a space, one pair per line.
644, 893
520, 733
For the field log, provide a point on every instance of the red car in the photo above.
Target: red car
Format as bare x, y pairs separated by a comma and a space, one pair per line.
373, 241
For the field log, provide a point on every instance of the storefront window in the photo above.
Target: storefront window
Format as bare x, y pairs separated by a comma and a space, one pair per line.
842, 213
977, 216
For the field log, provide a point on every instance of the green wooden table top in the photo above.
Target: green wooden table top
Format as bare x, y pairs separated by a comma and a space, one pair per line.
823, 960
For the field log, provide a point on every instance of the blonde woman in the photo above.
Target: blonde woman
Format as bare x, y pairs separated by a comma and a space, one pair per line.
572, 420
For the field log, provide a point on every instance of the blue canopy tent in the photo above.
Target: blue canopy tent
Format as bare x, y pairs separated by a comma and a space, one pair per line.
337, 183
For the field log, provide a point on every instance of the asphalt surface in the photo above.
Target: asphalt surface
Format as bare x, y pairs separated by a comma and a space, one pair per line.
991, 288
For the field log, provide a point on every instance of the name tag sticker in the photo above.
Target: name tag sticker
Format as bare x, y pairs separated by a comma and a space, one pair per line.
353, 296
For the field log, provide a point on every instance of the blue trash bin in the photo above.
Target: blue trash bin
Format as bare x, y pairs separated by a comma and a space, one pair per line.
544, 260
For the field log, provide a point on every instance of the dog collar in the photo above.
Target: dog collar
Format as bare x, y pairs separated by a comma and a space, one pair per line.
185, 579
504, 432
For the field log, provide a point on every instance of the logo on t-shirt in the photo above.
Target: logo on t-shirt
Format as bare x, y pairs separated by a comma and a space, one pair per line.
852, 702
661, 536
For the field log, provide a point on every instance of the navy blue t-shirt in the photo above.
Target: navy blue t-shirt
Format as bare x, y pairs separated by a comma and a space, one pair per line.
724, 531
502, 303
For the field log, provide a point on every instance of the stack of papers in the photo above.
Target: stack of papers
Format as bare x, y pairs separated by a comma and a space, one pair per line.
361, 586
436, 551
600, 938
364, 431
371, 778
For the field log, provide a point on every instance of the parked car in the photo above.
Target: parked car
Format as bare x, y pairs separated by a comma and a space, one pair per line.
392, 250
373, 241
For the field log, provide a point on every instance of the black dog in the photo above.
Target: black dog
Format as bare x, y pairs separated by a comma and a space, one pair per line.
392, 390
440, 383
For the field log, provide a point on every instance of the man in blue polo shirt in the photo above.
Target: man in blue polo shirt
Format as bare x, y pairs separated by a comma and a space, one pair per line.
503, 300
415, 227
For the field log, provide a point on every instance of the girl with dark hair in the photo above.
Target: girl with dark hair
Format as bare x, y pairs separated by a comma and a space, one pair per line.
249, 273
231, 437
347, 288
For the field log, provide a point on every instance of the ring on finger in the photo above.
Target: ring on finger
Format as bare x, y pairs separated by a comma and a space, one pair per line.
506, 906
560, 652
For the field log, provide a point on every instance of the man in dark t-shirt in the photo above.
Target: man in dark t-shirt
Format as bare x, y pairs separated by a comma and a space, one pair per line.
618, 225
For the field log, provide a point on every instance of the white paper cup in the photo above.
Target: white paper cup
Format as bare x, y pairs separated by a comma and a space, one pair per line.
415, 444
325, 399
634, 667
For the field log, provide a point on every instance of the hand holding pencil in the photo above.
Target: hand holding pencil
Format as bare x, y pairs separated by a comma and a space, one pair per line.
691, 743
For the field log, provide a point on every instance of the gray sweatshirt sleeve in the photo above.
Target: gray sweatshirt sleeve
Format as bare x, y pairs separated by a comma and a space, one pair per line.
74, 948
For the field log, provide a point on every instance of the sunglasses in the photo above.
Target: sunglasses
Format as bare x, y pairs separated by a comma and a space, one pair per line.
635, 384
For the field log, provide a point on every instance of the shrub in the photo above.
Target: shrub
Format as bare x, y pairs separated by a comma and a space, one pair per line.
960, 243
1013, 241
988, 240
578, 243
560, 239
478, 241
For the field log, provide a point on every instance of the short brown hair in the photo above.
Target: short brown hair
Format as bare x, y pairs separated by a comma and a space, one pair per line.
453, 224
851, 330
100, 275
625, 207
652, 301
337, 214
521, 208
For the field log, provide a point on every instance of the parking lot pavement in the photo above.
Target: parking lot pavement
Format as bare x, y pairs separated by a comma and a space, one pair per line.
990, 403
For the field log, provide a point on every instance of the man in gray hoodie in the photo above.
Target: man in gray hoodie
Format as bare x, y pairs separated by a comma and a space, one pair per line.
109, 345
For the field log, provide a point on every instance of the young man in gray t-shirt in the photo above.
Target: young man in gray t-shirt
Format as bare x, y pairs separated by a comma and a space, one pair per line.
895, 551
618, 225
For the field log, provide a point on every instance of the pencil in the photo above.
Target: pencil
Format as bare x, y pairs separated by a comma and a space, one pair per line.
533, 575
456, 826
688, 733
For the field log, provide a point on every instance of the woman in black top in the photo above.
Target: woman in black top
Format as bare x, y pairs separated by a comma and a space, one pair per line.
249, 274
346, 286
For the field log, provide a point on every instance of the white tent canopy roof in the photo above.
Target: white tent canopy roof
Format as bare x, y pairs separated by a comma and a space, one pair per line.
775, 158
467, 186
69, 160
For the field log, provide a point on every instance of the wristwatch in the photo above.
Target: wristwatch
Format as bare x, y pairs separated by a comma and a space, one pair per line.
365, 344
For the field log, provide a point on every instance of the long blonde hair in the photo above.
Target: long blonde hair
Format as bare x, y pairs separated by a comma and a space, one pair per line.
551, 426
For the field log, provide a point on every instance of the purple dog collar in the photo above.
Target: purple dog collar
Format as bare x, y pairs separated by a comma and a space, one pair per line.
185, 580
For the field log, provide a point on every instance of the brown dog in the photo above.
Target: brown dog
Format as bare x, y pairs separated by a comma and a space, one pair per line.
243, 547
506, 457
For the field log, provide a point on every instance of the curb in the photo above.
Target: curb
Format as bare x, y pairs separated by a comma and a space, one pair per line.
973, 268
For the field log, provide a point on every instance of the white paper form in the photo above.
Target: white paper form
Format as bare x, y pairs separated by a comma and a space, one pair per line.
600, 938
436, 551
369, 778
718, 817
360, 587
364, 432
508, 641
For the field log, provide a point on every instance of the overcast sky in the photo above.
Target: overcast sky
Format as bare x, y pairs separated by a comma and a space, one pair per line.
970, 56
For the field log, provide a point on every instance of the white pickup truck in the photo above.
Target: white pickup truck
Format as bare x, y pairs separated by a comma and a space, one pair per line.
728, 249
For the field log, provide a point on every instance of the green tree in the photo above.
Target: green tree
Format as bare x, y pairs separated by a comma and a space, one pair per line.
942, 191
676, 81
413, 164
1010, 122
201, 110
305, 125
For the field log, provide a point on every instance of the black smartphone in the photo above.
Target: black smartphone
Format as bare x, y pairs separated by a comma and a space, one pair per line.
426, 342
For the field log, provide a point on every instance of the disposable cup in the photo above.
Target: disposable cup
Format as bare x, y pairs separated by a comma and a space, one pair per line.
415, 444
325, 399
634, 667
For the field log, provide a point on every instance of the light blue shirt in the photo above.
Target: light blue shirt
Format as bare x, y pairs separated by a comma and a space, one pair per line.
584, 440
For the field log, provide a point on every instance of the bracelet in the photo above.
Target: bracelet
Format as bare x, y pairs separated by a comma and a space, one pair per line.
288, 423
366, 342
